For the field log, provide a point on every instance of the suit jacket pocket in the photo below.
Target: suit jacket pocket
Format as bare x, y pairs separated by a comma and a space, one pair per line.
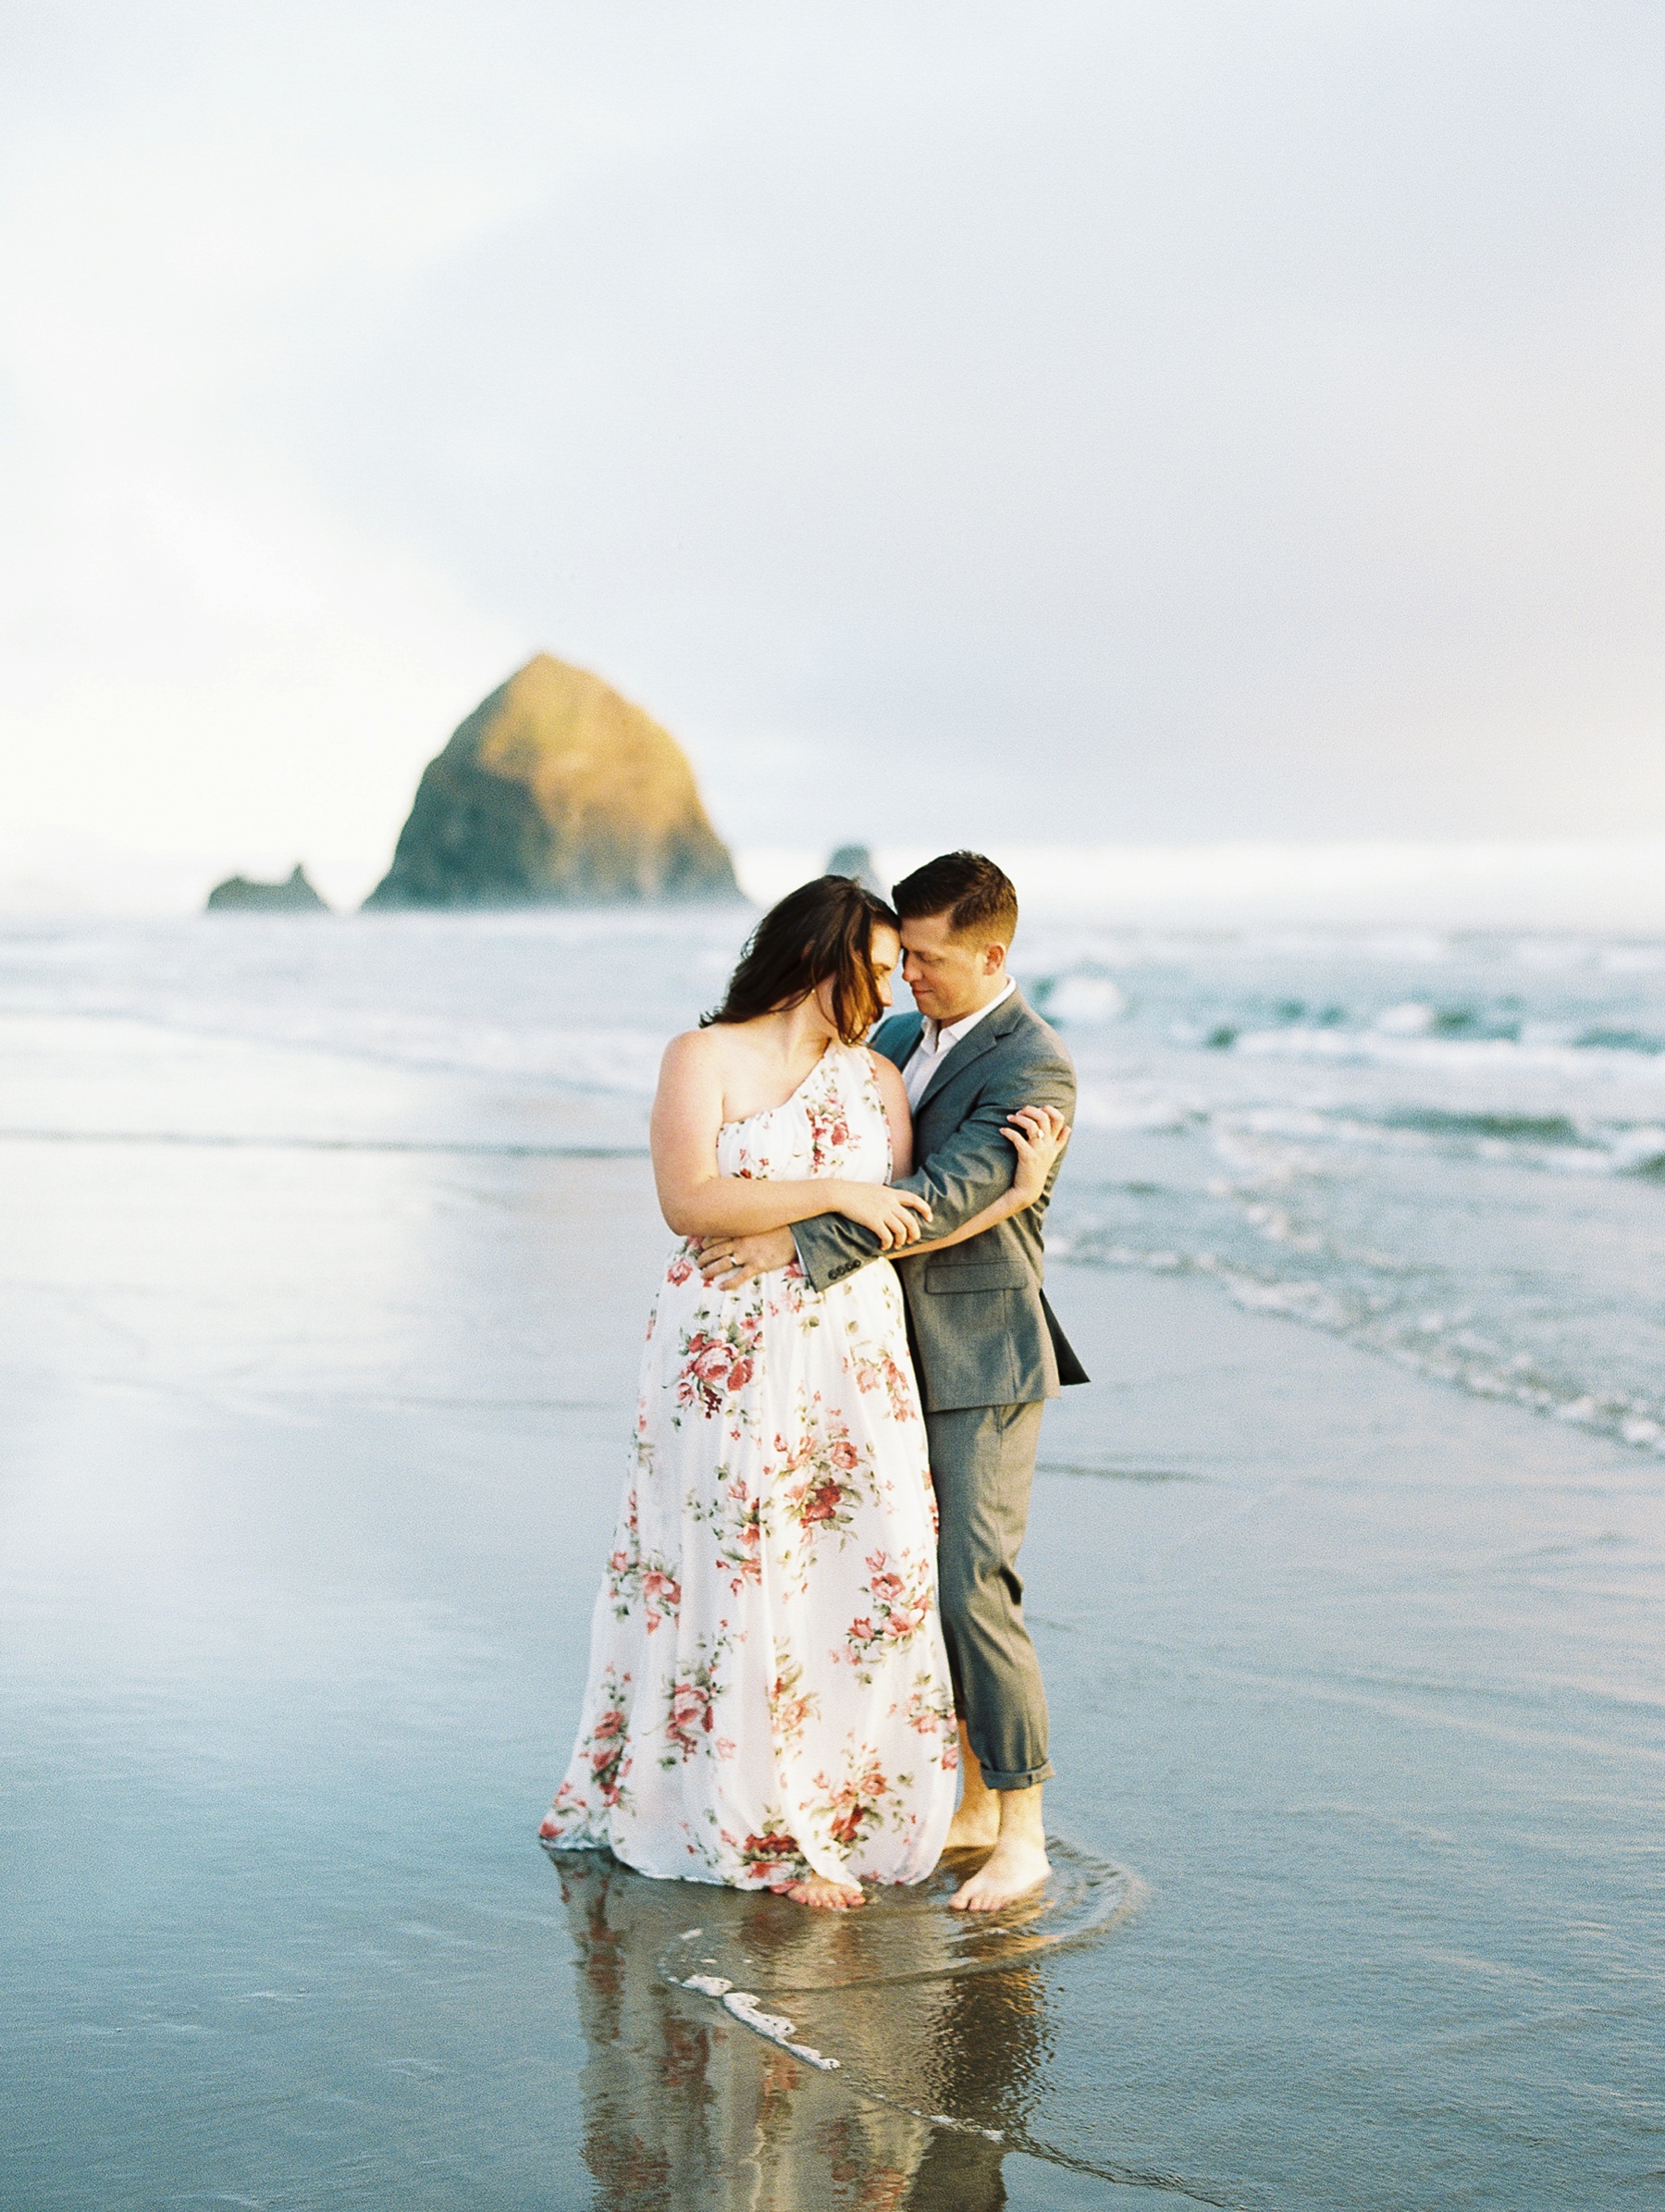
988, 1275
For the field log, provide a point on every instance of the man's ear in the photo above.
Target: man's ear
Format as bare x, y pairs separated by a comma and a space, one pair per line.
993, 958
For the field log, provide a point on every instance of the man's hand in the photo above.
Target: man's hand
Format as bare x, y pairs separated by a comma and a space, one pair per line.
730, 1261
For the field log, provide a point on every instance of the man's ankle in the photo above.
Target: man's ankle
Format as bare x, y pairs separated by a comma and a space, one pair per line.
1021, 1813
973, 1789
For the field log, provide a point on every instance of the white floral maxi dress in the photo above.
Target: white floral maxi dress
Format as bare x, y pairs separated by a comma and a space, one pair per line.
769, 1690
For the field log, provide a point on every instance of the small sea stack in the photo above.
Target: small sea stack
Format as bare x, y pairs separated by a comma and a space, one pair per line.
556, 791
857, 862
241, 894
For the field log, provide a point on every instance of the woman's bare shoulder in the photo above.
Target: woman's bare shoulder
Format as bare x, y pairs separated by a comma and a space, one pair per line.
695, 1052
891, 1086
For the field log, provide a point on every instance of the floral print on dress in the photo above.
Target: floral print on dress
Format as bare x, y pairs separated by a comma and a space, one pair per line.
607, 1751
718, 1362
898, 1609
739, 1515
635, 1580
830, 1135
693, 1706
771, 1857
769, 1694
930, 1711
790, 1706
859, 1801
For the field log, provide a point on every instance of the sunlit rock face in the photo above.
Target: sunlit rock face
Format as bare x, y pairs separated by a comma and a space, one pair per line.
556, 790
241, 894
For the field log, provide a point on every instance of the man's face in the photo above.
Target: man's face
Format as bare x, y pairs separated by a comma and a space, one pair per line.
950, 977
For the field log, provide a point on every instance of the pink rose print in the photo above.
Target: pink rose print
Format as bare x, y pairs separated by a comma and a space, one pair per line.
661, 1594
820, 1503
829, 1136
690, 1711
692, 1707
930, 1711
791, 1707
823, 1474
855, 1804
609, 1748
718, 1362
878, 1371
774, 1854
901, 1607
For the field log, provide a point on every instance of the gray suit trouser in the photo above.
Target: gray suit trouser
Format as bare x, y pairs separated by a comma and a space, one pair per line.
982, 1461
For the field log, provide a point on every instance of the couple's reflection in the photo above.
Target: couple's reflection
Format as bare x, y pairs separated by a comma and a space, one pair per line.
686, 2109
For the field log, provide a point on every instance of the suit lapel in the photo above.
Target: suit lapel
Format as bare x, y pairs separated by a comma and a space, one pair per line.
983, 1038
899, 1037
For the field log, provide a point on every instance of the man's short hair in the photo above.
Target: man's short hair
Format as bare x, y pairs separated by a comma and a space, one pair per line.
977, 896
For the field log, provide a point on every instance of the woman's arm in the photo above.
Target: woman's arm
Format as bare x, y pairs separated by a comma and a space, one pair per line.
697, 1201
893, 1093
1039, 1137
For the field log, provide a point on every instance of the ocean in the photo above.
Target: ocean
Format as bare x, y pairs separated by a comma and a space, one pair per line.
325, 1249
1450, 1147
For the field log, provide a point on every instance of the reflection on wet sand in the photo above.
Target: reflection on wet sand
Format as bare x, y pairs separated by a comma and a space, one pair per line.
939, 2051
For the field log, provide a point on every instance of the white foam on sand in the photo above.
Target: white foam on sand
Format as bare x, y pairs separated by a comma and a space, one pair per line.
773, 2026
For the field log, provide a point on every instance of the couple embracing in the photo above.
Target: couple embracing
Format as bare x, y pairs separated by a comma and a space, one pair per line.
809, 1634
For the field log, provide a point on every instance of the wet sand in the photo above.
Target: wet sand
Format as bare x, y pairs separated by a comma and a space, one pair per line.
310, 1453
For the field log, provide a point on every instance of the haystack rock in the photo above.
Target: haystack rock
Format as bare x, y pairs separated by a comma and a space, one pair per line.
241, 894
556, 789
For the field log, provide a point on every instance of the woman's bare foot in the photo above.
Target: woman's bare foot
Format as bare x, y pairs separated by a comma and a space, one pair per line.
824, 1895
1013, 1868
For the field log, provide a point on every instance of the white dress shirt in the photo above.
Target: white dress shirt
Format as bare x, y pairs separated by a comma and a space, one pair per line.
936, 1043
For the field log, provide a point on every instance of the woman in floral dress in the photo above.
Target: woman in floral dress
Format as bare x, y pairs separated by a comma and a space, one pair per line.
769, 1702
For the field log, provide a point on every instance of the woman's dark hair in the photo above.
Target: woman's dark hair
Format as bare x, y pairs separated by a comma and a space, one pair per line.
822, 930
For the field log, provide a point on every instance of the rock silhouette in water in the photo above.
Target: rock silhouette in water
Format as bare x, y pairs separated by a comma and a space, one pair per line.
857, 861
555, 789
293, 896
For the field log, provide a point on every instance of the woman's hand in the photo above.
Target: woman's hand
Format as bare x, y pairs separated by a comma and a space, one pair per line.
893, 1215
1039, 1134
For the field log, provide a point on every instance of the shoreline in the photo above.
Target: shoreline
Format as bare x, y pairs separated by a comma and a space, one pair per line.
311, 1460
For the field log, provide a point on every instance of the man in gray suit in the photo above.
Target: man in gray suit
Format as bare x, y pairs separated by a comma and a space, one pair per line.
987, 1347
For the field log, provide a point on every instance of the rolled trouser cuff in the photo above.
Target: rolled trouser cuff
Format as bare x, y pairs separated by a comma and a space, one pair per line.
1029, 1780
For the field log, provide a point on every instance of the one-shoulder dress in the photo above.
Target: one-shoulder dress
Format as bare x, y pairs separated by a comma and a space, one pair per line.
769, 1691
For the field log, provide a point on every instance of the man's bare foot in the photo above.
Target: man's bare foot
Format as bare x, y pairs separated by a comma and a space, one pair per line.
1016, 1865
1018, 1859
826, 1897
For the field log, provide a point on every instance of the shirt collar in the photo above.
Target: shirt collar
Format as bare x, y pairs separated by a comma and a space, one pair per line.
944, 1040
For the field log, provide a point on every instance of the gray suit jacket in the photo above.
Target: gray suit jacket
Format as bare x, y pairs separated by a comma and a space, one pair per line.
982, 1332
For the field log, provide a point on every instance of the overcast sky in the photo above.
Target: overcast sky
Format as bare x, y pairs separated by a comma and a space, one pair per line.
1145, 423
